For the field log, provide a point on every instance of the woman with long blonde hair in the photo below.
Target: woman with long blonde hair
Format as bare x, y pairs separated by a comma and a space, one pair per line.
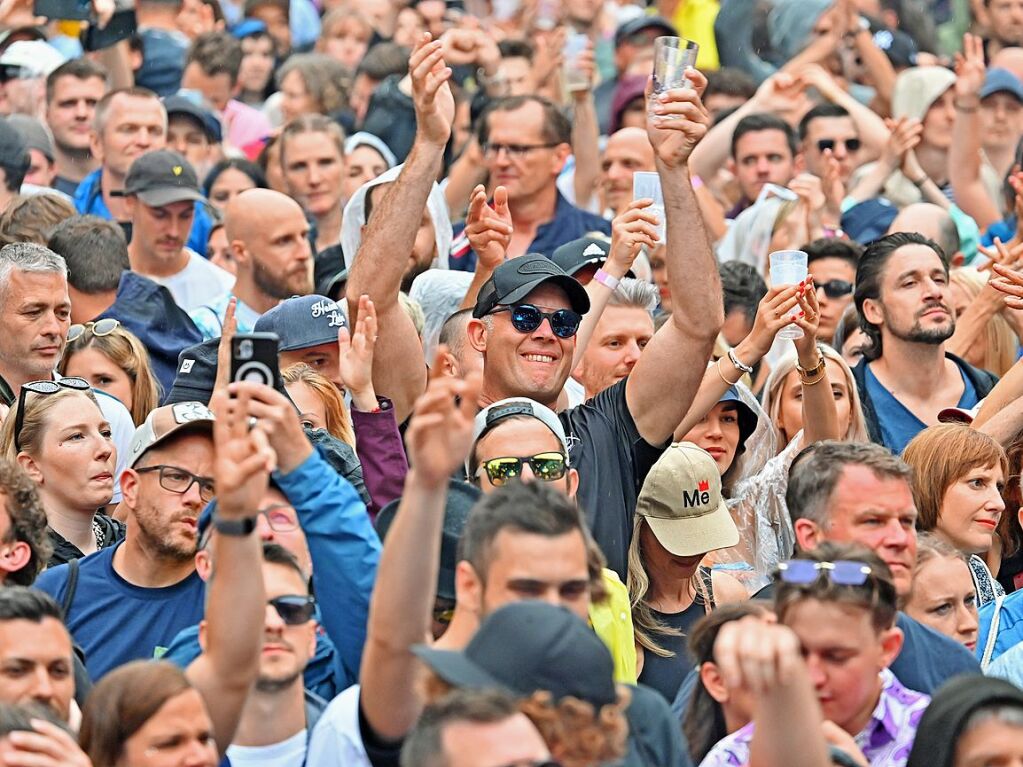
983, 337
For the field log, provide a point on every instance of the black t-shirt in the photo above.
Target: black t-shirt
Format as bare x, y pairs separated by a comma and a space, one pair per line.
612, 459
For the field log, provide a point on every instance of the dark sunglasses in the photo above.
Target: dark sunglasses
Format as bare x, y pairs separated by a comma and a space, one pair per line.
547, 467
851, 144
835, 288
42, 387
526, 318
99, 328
806, 571
294, 609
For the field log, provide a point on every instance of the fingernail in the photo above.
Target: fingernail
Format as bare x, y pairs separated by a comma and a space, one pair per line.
802, 314
663, 97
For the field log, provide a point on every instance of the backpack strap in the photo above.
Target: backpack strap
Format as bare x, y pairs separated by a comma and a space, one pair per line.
992, 634
72, 587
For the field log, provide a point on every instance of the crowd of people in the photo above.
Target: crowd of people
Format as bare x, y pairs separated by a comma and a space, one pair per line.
547, 472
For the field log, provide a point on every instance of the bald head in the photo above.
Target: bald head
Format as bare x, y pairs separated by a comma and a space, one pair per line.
627, 151
1011, 59
269, 239
932, 221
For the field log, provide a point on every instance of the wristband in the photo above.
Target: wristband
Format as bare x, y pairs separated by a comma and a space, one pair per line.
740, 366
239, 528
832, 232
605, 279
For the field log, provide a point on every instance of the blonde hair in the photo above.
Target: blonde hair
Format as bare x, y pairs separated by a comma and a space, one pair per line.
775, 388
37, 407
942, 455
930, 546
124, 349
1000, 341
644, 622
339, 424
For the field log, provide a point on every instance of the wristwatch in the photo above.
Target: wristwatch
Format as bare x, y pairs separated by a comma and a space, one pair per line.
239, 528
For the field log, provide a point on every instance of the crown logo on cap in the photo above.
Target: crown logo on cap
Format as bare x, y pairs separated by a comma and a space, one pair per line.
177, 170
704, 485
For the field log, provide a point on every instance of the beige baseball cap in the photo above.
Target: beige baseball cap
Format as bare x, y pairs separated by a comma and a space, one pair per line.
165, 421
682, 502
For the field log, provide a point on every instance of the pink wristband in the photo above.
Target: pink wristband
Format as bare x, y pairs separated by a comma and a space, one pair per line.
606, 279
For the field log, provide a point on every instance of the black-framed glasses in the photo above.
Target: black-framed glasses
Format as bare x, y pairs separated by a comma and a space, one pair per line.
547, 467
526, 318
99, 328
515, 151
43, 387
851, 144
534, 763
835, 288
178, 480
844, 572
294, 609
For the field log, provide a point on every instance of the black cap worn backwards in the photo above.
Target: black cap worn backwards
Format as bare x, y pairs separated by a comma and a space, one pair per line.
527, 647
516, 278
161, 178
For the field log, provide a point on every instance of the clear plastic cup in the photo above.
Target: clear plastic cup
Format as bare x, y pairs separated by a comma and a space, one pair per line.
788, 267
647, 185
576, 79
672, 56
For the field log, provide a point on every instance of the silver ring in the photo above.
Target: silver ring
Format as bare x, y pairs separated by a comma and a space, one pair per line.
252, 422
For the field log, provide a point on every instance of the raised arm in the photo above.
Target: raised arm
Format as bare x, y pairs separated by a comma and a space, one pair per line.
871, 127
399, 370
663, 383
965, 155
235, 601
400, 611
585, 134
489, 230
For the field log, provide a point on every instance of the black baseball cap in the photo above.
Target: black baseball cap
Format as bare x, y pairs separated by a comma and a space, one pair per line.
518, 277
461, 498
180, 105
527, 647
161, 178
643, 23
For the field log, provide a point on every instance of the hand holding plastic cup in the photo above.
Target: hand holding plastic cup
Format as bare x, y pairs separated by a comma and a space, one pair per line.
672, 56
788, 267
647, 185
576, 79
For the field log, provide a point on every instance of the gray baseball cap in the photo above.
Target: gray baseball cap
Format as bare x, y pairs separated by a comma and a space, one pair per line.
33, 134
303, 321
163, 422
493, 414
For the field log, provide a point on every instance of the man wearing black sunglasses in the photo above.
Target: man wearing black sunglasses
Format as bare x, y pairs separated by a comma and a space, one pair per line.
832, 264
830, 128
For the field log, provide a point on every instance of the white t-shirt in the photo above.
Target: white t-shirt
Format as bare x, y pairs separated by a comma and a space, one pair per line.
336, 741
200, 282
287, 753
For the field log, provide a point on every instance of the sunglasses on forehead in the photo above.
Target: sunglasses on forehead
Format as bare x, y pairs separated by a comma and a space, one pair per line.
842, 573
99, 329
43, 387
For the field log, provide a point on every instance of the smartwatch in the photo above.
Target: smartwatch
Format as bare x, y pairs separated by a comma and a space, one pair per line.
235, 527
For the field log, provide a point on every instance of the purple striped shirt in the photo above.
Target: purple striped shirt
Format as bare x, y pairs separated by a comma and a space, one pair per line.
886, 740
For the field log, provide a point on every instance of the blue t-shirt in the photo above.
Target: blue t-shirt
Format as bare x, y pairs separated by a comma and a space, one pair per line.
115, 622
897, 424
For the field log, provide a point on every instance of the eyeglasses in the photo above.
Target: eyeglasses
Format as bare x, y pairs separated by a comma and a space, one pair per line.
851, 144
526, 318
534, 763
842, 573
99, 328
43, 387
278, 518
179, 481
515, 151
294, 609
547, 467
836, 288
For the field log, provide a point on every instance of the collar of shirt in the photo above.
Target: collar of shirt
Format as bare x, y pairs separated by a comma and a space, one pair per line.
894, 719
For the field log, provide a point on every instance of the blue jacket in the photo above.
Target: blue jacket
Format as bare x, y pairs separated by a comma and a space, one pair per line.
89, 200
148, 310
1010, 625
345, 552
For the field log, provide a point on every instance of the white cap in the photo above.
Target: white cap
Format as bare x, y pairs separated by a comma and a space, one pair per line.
37, 57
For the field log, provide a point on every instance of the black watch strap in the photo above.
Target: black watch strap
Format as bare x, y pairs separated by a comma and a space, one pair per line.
237, 527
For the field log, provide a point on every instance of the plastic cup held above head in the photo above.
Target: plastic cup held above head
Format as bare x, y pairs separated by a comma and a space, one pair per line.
672, 56
576, 79
788, 267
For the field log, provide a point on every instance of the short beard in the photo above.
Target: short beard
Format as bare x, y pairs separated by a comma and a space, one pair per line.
159, 547
273, 686
410, 276
917, 335
74, 154
271, 286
